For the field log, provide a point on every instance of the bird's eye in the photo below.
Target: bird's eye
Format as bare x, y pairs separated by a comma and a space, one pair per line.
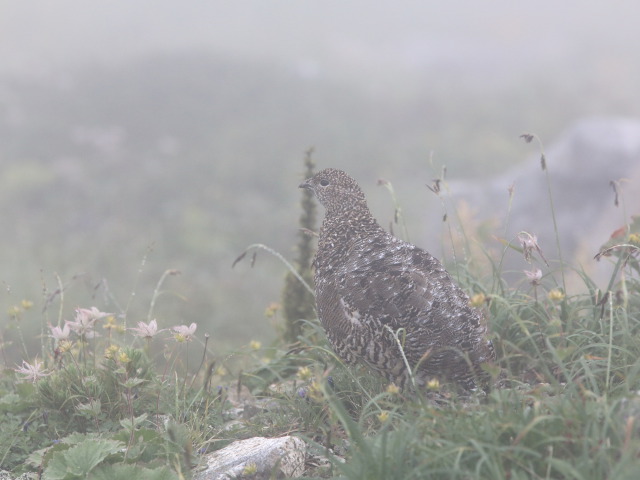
324, 182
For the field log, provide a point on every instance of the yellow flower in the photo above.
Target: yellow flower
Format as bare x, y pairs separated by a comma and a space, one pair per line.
249, 469
26, 304
271, 309
634, 238
383, 416
221, 371
555, 295
393, 389
304, 373
433, 384
478, 300
64, 346
123, 357
255, 345
14, 311
110, 351
110, 322
315, 391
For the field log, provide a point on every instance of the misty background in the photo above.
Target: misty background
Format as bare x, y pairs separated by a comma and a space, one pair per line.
137, 137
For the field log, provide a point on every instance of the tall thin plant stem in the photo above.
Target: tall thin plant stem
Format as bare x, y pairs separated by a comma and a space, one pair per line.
543, 164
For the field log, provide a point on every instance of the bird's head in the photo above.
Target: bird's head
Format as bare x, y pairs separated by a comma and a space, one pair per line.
335, 190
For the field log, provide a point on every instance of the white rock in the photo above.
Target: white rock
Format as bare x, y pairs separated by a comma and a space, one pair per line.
256, 458
4, 475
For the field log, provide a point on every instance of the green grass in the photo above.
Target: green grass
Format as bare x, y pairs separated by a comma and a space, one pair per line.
567, 406
566, 402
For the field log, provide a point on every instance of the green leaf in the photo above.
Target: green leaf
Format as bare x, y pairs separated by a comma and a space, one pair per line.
44, 455
147, 444
10, 403
127, 472
93, 408
129, 423
26, 390
79, 460
132, 382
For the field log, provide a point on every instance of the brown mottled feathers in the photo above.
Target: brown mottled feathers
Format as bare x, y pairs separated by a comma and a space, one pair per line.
367, 282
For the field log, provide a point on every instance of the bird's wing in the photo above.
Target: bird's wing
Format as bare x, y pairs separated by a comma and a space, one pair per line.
399, 284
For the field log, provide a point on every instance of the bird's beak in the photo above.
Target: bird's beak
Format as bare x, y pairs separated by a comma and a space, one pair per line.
305, 184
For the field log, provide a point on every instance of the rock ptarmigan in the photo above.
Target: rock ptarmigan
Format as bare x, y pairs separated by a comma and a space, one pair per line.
370, 284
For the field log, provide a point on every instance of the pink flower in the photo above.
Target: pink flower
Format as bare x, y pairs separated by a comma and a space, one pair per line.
84, 321
147, 330
90, 314
60, 333
182, 333
32, 372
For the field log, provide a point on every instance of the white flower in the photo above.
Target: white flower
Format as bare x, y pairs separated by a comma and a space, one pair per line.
60, 333
84, 321
90, 314
182, 333
534, 276
32, 372
146, 330
529, 244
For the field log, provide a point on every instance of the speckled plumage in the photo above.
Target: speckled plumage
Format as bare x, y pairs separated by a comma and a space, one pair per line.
367, 280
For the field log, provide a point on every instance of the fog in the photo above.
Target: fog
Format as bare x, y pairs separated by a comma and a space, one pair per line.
357, 40
137, 137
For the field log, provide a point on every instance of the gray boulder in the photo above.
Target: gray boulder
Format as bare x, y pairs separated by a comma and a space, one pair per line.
581, 166
256, 458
